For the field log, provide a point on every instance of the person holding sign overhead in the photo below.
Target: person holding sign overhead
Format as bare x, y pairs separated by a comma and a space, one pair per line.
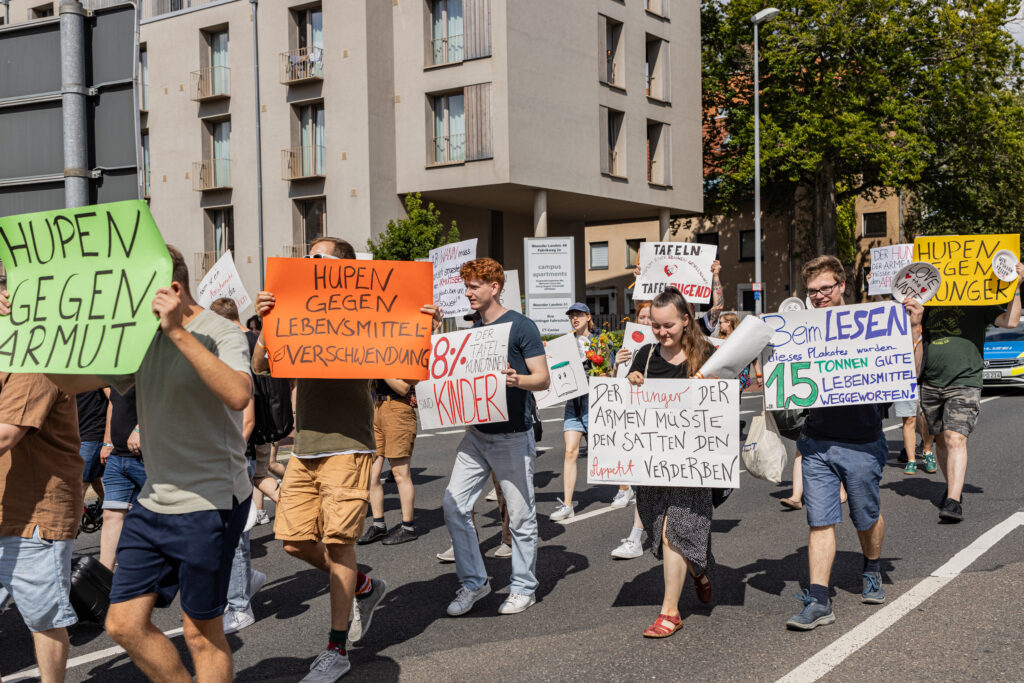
324, 493
506, 448
954, 338
842, 445
677, 519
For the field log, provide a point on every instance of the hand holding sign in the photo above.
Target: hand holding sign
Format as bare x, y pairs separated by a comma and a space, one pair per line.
920, 281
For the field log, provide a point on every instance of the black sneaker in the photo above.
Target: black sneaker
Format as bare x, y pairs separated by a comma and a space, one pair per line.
952, 511
903, 459
373, 533
400, 535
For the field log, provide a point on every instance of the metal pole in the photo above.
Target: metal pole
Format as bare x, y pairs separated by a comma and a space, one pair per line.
758, 302
73, 103
7, 12
259, 139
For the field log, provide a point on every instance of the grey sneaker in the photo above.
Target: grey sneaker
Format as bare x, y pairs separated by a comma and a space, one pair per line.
516, 603
362, 610
465, 598
562, 512
872, 593
447, 555
503, 550
235, 620
328, 667
262, 517
813, 615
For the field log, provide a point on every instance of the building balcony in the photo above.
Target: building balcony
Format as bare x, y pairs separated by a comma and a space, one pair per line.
449, 149
211, 83
303, 162
447, 50
211, 174
204, 260
302, 65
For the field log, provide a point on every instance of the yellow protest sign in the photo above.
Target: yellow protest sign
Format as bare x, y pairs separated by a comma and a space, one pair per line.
965, 263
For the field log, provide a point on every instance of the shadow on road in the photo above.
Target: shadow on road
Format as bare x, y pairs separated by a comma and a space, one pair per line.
924, 488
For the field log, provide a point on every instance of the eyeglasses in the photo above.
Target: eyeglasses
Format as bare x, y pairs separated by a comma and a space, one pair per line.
824, 291
320, 256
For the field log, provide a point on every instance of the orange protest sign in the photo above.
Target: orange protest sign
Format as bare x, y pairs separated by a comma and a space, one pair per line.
343, 319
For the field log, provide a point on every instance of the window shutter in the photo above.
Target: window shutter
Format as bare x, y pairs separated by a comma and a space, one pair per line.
598, 255
664, 59
602, 48
664, 7
666, 155
477, 17
602, 125
478, 122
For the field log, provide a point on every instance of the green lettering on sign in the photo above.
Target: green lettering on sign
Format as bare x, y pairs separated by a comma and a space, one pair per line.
81, 285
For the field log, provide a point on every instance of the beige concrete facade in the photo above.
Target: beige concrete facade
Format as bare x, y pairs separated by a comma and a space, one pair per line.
533, 92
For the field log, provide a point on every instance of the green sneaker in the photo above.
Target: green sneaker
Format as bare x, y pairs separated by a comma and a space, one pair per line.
930, 465
911, 468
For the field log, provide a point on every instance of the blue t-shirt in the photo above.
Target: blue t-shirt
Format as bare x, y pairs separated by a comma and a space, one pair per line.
523, 342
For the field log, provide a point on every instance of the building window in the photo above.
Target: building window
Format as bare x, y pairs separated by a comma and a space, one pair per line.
221, 137
309, 26
41, 12
144, 78
875, 224
219, 73
633, 252
446, 34
610, 39
145, 164
659, 7
613, 142
659, 159
708, 238
449, 128
312, 144
656, 69
312, 218
599, 256
746, 245
222, 230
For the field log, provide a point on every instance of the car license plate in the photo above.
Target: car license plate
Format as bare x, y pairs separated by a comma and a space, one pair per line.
992, 374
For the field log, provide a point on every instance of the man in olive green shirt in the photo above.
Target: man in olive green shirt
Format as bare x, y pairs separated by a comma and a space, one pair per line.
951, 380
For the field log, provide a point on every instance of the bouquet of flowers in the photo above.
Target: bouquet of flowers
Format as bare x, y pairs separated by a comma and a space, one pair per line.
600, 355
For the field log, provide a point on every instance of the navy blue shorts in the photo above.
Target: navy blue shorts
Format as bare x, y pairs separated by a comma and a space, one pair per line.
192, 552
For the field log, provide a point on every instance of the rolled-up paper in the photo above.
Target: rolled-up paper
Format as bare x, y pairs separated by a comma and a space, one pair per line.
738, 350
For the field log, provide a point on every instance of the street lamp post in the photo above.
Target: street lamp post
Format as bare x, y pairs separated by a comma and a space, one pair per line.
764, 15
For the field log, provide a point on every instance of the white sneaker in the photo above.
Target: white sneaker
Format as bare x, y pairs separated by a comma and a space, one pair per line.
447, 555
328, 667
262, 517
622, 498
465, 598
235, 620
257, 580
629, 550
562, 512
492, 496
503, 550
516, 603
362, 610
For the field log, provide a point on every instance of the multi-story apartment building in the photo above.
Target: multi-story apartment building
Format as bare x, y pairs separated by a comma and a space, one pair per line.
515, 117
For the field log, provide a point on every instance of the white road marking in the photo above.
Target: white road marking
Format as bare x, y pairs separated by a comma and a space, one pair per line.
831, 656
451, 431
83, 659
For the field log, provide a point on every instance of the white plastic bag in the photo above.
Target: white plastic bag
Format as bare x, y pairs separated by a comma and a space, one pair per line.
764, 453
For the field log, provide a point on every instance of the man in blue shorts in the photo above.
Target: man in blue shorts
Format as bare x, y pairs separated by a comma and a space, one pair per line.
842, 445
124, 473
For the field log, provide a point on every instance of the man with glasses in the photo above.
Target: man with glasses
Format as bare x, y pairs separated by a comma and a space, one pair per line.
325, 488
842, 445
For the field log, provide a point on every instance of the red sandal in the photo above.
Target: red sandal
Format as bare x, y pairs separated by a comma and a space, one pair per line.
663, 626
702, 584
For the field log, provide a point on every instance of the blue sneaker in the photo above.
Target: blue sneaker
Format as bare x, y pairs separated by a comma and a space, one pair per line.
873, 593
813, 615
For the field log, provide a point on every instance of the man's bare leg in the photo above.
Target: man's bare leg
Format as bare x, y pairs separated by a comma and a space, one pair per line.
209, 649
129, 625
51, 654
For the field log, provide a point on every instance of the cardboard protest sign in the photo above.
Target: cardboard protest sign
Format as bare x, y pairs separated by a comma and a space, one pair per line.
885, 263
348, 319
466, 386
565, 365
683, 265
1004, 265
82, 282
845, 355
738, 350
666, 432
449, 289
223, 281
511, 294
917, 280
965, 263
635, 337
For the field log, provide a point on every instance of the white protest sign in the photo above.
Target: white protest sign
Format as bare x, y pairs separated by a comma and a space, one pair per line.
885, 263
683, 265
919, 281
635, 337
549, 314
568, 378
845, 355
549, 266
511, 294
364, 256
737, 351
449, 289
222, 281
1004, 265
466, 385
666, 432
793, 303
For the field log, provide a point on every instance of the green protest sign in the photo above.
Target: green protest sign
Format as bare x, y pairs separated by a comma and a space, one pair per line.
81, 285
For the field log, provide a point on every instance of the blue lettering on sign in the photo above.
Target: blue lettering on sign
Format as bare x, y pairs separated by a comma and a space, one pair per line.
865, 323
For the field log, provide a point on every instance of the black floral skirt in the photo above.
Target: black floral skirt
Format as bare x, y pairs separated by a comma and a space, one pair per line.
688, 512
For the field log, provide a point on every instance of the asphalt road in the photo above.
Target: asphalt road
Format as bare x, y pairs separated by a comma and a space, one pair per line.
962, 624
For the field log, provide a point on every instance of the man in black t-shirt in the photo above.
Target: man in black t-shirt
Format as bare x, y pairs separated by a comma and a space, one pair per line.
92, 423
124, 475
506, 448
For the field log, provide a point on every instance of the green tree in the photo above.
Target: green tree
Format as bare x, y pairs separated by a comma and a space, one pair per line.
411, 238
865, 97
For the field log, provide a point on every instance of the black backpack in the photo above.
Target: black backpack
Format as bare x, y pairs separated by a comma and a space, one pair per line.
272, 403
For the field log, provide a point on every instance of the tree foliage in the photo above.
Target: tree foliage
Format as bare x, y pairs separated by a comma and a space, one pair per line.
411, 238
867, 97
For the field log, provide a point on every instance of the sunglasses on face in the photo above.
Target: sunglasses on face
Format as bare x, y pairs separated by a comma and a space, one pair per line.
320, 256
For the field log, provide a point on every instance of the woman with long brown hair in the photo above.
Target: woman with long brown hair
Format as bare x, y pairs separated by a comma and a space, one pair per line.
677, 519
